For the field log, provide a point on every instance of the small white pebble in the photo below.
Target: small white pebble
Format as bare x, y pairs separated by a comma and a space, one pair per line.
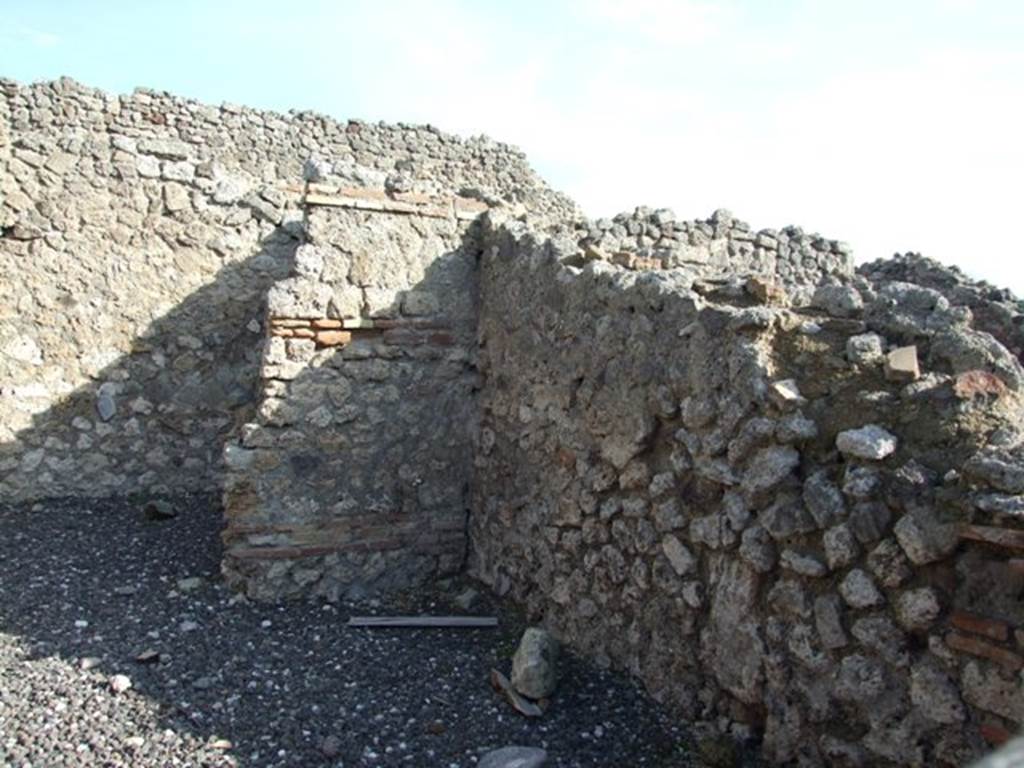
120, 683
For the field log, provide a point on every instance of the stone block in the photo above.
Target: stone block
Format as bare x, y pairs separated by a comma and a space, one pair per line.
176, 197
923, 537
901, 365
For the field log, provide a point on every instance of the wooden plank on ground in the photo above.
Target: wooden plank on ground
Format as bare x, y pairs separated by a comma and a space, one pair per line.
423, 621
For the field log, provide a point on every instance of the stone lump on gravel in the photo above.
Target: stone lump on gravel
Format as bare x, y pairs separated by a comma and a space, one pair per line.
277, 696
869, 442
120, 683
534, 666
514, 757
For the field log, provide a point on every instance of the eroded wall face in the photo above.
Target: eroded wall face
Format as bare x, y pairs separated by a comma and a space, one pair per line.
354, 475
660, 479
139, 236
136, 258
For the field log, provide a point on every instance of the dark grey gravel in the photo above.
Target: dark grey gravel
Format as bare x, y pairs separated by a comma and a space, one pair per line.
91, 589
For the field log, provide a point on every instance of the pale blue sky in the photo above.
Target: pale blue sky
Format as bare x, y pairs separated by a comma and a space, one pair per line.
893, 125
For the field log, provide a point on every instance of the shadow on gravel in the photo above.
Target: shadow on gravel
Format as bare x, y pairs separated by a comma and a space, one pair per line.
90, 585
96, 583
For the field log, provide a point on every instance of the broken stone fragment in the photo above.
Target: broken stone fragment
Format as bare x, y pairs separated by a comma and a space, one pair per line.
865, 348
520, 703
1000, 504
838, 300
824, 500
901, 365
467, 598
514, 757
190, 584
768, 469
786, 395
176, 197
120, 683
803, 563
105, 406
987, 689
767, 292
148, 656
869, 442
1001, 470
534, 665
158, 509
923, 537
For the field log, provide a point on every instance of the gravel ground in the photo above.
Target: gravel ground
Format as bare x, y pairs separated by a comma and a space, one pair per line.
87, 586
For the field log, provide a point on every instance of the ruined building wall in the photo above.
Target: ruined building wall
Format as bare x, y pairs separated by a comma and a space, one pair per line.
354, 475
721, 247
139, 236
777, 526
787, 496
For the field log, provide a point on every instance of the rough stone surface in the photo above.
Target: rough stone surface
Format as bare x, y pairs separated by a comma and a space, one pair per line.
397, 352
514, 757
282, 685
535, 664
158, 225
859, 591
869, 442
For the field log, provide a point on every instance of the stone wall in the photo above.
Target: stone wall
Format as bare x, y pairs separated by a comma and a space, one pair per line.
721, 247
354, 475
139, 236
782, 521
787, 496
994, 310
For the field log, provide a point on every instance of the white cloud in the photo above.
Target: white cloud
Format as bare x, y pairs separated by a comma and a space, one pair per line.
36, 37
664, 21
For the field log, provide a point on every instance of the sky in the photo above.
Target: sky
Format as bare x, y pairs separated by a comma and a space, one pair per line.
894, 125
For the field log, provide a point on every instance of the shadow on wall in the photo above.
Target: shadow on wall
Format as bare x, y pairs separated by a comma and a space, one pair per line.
92, 582
354, 477
154, 421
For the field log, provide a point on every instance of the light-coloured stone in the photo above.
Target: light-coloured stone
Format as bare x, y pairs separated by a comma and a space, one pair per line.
535, 664
869, 442
514, 757
901, 364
